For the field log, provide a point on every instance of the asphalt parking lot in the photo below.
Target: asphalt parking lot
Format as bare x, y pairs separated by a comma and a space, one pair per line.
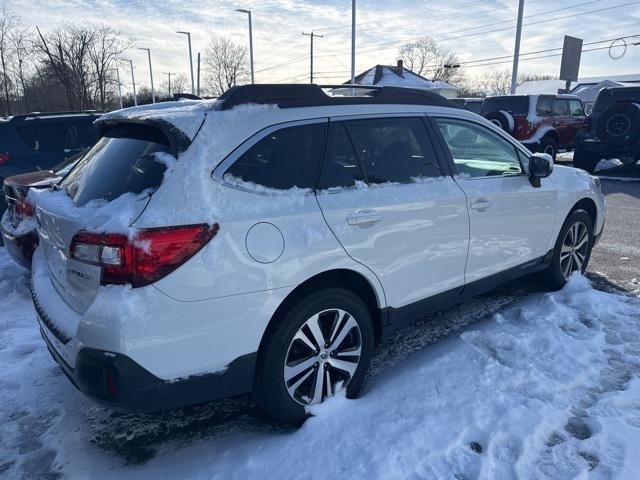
617, 256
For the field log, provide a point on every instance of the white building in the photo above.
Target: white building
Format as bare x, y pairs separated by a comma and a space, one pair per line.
398, 76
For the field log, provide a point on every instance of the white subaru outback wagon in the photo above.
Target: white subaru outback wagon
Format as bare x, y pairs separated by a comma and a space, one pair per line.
266, 241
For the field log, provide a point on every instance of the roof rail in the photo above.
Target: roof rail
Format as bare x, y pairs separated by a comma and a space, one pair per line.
51, 114
312, 95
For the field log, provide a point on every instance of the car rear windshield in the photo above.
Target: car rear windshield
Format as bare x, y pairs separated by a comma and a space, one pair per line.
605, 100
518, 104
128, 159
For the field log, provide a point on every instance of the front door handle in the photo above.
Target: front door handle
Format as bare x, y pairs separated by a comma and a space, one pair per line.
481, 205
364, 217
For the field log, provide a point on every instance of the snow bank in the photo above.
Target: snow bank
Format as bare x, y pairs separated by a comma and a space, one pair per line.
548, 388
25, 226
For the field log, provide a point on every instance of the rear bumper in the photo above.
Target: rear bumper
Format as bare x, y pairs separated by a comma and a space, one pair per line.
116, 381
20, 248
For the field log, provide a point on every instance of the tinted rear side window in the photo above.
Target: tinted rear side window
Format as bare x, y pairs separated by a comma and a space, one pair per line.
518, 104
393, 149
340, 168
125, 160
284, 159
543, 106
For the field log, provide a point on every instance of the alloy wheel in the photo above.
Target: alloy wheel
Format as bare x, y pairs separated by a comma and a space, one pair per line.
574, 250
324, 352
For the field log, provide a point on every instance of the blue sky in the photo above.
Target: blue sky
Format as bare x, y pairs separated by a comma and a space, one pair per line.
474, 29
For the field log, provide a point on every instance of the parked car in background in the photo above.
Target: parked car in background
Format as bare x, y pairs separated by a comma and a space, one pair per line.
18, 223
267, 250
613, 129
472, 104
39, 141
542, 123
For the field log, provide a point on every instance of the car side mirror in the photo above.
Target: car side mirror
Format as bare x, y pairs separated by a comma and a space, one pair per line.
540, 166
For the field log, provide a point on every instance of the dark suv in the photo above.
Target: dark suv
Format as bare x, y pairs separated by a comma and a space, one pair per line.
40, 141
614, 129
542, 123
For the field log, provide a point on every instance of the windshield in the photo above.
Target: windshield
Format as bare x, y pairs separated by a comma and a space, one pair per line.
518, 104
125, 160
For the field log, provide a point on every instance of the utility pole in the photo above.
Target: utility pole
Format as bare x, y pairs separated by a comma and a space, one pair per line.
248, 12
311, 35
133, 82
198, 89
153, 93
516, 52
169, 75
193, 87
119, 87
353, 41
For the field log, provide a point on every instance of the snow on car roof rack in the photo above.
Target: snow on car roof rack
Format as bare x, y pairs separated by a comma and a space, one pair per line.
312, 95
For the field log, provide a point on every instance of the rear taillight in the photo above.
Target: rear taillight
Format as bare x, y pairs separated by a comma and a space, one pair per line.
522, 127
4, 157
144, 259
24, 208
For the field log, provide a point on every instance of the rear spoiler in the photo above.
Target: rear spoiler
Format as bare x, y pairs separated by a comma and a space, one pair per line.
178, 140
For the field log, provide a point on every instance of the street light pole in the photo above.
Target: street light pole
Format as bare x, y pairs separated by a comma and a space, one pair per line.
312, 35
133, 82
193, 86
153, 93
248, 12
353, 41
169, 75
516, 52
119, 87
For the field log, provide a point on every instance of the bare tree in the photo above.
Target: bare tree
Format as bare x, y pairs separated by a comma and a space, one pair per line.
22, 48
427, 58
227, 64
8, 22
104, 50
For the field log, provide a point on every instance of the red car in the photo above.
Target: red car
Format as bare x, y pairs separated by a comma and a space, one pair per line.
18, 221
542, 123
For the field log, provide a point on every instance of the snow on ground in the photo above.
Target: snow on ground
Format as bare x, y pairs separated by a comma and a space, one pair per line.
538, 386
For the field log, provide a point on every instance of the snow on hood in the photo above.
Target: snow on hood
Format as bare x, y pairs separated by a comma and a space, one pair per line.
186, 115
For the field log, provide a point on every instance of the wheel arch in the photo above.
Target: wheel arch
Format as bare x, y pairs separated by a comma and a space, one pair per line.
345, 278
552, 133
587, 204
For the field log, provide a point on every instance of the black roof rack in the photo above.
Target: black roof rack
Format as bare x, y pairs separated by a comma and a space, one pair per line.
312, 95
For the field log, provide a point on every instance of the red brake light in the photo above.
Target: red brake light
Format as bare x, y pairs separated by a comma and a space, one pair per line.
4, 157
24, 208
150, 255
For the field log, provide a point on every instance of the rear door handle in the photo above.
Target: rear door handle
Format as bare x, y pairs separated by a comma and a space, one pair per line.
481, 205
364, 217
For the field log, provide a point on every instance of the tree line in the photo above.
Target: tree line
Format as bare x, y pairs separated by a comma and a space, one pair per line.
74, 67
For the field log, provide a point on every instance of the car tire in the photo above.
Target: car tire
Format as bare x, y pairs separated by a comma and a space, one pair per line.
502, 119
585, 160
288, 348
557, 273
549, 145
619, 124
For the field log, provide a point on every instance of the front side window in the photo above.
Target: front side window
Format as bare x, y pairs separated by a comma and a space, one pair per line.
576, 108
543, 107
560, 108
477, 151
286, 158
393, 149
